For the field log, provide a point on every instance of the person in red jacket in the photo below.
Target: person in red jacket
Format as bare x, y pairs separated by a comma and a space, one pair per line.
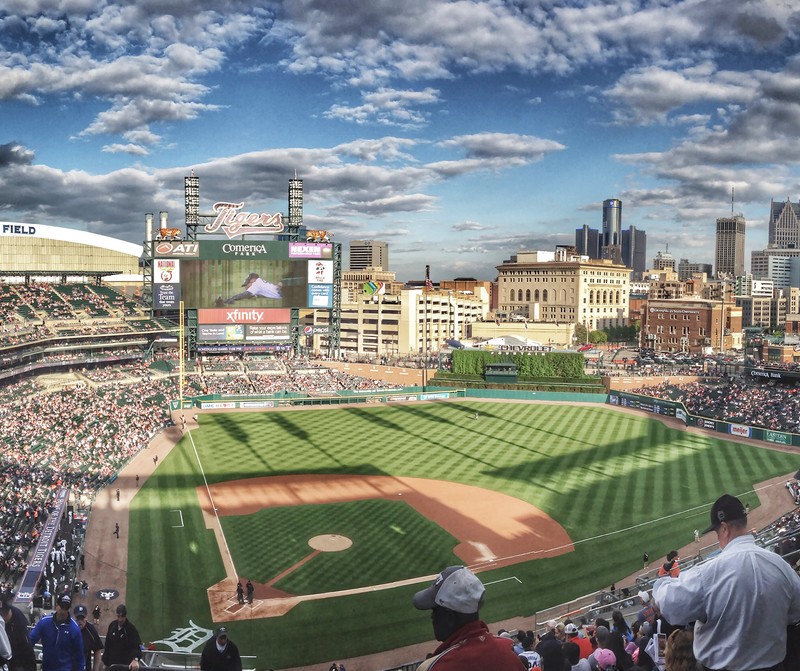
584, 644
670, 567
455, 598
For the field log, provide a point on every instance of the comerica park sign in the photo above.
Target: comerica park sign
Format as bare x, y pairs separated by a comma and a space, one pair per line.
234, 223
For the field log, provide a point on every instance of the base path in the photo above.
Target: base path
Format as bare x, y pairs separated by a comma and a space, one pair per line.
492, 528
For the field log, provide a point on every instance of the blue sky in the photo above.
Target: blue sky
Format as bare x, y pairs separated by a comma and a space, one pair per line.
459, 131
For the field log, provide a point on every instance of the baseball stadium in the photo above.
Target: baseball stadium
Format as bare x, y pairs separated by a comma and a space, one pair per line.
191, 460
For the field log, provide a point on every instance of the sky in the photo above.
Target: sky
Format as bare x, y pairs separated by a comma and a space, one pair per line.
460, 132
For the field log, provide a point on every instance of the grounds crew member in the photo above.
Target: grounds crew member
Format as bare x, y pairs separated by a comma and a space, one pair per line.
62, 644
454, 599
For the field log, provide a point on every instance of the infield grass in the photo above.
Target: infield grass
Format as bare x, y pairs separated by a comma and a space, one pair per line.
593, 469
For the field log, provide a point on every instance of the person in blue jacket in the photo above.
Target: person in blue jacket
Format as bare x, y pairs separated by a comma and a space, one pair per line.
62, 642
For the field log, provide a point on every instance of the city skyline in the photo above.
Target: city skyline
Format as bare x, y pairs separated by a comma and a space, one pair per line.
460, 132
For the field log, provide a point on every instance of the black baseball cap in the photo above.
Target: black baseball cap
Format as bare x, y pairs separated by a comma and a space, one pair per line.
221, 631
80, 611
726, 508
64, 601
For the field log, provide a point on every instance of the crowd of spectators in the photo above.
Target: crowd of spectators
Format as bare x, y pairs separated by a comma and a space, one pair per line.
769, 406
101, 421
616, 644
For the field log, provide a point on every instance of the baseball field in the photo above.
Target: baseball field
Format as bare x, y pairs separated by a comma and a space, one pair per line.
338, 516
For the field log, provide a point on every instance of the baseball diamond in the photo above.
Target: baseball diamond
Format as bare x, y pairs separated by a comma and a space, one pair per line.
561, 498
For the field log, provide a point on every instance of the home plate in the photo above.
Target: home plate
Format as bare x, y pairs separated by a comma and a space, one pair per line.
330, 543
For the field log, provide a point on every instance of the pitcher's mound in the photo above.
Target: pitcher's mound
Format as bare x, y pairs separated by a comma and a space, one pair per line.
330, 543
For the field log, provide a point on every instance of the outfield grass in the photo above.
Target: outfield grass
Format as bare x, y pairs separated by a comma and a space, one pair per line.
595, 470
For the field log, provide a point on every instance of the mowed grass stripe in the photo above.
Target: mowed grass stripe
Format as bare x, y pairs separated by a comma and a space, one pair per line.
595, 470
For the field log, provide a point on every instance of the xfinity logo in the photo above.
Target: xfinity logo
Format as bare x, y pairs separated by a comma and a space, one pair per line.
244, 250
249, 316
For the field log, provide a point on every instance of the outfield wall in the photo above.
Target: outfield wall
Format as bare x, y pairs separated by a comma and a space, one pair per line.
406, 394
677, 410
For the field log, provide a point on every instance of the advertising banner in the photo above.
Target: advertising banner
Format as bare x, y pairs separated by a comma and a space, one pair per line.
225, 332
267, 332
740, 430
231, 348
777, 437
310, 250
167, 296
320, 295
183, 249
241, 316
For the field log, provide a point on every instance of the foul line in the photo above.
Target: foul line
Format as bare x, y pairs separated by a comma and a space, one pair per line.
494, 582
213, 505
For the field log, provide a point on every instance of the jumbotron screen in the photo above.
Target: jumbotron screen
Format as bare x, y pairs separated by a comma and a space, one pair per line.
258, 274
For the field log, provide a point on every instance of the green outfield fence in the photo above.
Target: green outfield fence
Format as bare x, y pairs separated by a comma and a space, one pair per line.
350, 397
678, 410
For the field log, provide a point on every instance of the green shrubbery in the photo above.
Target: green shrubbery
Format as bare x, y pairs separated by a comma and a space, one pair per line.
546, 365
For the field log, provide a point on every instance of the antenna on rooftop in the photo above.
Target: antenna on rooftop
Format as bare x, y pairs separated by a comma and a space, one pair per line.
733, 191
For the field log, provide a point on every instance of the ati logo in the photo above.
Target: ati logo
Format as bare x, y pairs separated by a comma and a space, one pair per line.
177, 249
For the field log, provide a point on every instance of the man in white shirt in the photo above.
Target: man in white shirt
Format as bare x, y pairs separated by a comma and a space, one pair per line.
741, 601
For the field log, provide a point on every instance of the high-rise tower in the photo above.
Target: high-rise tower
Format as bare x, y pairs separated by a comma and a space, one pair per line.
369, 254
730, 246
612, 230
784, 225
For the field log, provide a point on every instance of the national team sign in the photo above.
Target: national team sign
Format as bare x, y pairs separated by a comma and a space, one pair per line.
166, 271
320, 272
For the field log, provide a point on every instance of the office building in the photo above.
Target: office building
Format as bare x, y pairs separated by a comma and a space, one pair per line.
368, 254
780, 265
612, 230
664, 261
562, 286
390, 325
686, 269
691, 325
634, 251
784, 225
587, 242
730, 246
632, 248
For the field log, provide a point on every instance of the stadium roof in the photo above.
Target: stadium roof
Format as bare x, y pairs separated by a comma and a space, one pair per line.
32, 231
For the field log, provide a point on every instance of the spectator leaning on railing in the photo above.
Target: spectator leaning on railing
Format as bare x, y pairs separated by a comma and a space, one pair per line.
741, 601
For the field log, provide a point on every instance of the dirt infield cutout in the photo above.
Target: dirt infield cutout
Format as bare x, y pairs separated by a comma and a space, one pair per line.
330, 543
493, 529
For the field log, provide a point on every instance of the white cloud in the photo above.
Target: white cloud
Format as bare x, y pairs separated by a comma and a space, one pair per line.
387, 107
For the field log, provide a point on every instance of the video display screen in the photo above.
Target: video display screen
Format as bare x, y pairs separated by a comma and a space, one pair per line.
244, 283
244, 274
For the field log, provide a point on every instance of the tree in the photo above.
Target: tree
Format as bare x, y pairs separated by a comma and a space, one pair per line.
598, 337
581, 334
